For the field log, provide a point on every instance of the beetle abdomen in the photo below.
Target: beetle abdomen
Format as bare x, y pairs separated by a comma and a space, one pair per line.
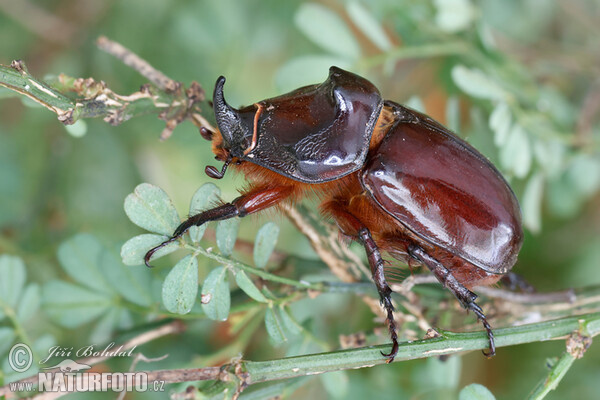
445, 192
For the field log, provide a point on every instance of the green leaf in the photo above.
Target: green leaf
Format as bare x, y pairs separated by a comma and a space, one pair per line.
78, 129
336, 384
149, 207
453, 113
306, 70
584, 173
327, 30
227, 231
369, 26
106, 325
180, 288
475, 391
516, 154
443, 374
216, 292
292, 328
415, 103
248, 286
132, 283
532, 202
454, 15
79, 257
43, 343
12, 279
266, 238
29, 303
204, 198
274, 327
550, 154
499, 122
7, 337
72, 305
134, 250
475, 83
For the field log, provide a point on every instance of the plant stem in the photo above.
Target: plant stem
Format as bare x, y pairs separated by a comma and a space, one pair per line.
250, 372
447, 343
9, 312
16, 77
412, 52
554, 377
256, 271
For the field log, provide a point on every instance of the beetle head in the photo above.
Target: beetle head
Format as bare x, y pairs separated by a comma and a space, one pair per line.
236, 132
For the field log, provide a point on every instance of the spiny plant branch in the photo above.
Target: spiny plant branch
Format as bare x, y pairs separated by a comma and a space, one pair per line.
92, 98
244, 373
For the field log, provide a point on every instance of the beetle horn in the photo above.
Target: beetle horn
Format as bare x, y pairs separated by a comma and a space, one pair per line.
226, 115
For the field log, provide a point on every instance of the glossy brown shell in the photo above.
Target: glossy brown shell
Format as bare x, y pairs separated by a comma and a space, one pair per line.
317, 133
445, 192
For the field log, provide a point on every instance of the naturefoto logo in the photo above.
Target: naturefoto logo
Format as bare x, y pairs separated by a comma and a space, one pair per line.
69, 366
73, 376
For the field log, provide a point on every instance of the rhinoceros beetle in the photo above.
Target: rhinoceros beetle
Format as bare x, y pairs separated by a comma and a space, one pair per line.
392, 179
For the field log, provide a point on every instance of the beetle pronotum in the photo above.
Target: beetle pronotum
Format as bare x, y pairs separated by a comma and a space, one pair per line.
391, 178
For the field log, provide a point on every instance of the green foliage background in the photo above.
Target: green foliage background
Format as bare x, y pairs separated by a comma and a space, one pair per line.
513, 77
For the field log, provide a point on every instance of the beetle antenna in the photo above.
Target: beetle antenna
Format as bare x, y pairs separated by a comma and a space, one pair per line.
216, 174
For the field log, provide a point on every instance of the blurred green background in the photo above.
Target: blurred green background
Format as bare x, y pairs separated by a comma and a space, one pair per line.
519, 79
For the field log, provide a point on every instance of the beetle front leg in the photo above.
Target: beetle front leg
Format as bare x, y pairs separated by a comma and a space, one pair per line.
255, 200
464, 295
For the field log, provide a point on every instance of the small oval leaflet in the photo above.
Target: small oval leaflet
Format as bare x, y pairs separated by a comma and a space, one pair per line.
216, 285
266, 238
532, 202
475, 391
131, 283
368, 25
205, 197
336, 384
327, 30
516, 154
12, 271
29, 303
149, 207
133, 251
180, 288
79, 257
475, 83
227, 234
274, 327
248, 286
290, 325
499, 122
73, 305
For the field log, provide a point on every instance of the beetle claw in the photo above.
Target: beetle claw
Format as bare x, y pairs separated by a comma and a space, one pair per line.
481, 317
153, 250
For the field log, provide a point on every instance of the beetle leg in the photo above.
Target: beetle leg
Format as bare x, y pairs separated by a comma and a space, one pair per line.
376, 262
517, 282
464, 295
255, 200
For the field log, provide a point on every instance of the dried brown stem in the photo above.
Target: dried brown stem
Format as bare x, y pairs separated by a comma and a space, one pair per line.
39, 21
142, 66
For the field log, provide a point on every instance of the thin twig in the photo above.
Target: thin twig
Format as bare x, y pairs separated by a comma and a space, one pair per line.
577, 344
134, 61
39, 21
565, 296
